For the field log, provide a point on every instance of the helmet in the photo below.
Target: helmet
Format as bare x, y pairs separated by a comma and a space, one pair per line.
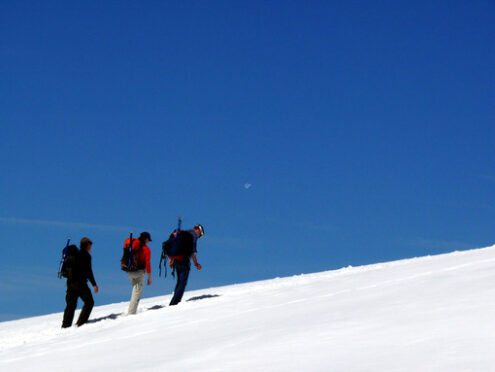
200, 229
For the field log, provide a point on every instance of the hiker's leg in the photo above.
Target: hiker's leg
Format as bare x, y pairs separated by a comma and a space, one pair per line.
137, 280
70, 308
87, 297
182, 272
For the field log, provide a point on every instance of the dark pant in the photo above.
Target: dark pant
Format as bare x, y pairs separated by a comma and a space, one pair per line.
74, 291
182, 271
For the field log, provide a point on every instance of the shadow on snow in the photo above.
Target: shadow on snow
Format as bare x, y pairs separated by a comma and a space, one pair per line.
155, 307
202, 297
111, 316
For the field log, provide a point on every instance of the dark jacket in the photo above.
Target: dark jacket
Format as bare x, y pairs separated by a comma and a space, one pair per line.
193, 240
83, 270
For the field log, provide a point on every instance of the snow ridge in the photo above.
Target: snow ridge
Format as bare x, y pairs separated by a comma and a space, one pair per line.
431, 313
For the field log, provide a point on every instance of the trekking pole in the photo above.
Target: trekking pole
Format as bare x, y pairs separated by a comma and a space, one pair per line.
130, 250
162, 257
64, 254
179, 225
160, 265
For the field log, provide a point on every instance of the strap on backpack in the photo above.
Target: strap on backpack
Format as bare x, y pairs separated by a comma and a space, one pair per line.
164, 259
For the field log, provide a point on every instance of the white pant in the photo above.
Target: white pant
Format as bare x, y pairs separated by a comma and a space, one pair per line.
137, 281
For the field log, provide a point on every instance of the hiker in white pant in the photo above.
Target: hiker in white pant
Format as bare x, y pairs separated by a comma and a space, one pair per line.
139, 265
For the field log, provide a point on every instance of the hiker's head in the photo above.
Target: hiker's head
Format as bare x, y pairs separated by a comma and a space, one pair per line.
86, 244
145, 237
198, 229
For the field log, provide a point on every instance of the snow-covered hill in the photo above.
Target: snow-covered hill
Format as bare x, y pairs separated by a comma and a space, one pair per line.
426, 314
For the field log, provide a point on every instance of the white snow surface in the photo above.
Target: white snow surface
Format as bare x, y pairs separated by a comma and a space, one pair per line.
424, 314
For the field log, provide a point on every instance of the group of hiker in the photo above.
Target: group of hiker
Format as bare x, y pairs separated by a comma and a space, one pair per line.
76, 266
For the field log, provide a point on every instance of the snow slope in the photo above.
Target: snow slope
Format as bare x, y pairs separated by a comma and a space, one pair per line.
424, 314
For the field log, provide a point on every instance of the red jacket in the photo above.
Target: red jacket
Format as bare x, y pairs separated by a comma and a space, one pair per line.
142, 253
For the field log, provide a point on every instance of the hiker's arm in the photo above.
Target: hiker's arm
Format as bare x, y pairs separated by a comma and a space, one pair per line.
148, 265
91, 277
195, 259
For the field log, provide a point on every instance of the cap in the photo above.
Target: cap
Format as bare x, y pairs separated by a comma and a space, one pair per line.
200, 229
145, 235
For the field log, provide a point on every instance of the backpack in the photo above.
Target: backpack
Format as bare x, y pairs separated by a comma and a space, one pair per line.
129, 261
64, 255
163, 257
180, 243
69, 258
171, 247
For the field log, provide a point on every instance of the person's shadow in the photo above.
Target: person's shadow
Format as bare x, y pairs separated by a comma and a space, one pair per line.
155, 307
202, 297
197, 298
111, 316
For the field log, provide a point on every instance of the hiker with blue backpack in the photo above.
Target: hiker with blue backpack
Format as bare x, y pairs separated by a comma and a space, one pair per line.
180, 249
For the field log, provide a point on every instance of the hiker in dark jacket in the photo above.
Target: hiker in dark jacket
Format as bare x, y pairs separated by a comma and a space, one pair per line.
182, 264
80, 272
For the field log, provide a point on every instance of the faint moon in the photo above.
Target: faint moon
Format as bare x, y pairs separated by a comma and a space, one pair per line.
247, 185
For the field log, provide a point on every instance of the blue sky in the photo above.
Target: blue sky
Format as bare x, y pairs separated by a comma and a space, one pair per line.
365, 130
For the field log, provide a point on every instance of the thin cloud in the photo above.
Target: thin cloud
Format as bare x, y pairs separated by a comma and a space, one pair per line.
307, 225
64, 224
439, 244
318, 227
34, 279
5, 317
487, 177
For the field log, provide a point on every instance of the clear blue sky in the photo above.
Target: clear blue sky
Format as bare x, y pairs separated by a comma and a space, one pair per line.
365, 130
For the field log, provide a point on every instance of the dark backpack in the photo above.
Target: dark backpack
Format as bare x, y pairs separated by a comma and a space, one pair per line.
129, 261
163, 257
180, 243
69, 257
